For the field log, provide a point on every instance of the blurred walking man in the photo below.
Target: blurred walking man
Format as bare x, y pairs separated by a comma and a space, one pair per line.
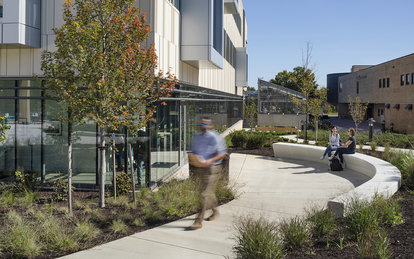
208, 149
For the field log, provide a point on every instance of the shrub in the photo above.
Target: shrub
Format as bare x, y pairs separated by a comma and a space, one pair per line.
224, 191
7, 198
257, 239
28, 199
322, 222
387, 211
405, 163
374, 244
178, 198
407, 171
61, 190
24, 181
295, 233
255, 140
360, 218
84, 231
238, 138
373, 145
55, 234
20, 238
387, 151
366, 216
123, 183
118, 226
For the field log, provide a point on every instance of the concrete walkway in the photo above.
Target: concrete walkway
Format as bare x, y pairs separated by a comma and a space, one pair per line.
269, 187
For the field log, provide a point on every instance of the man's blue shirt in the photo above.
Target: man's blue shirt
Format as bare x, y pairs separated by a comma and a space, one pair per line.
207, 145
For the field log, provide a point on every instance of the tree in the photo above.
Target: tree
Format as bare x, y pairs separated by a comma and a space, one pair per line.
102, 71
306, 83
250, 114
3, 129
357, 110
316, 108
292, 80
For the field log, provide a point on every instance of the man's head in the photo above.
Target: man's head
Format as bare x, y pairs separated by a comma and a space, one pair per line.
205, 124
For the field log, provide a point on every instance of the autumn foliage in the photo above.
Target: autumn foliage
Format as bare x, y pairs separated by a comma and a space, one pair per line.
104, 69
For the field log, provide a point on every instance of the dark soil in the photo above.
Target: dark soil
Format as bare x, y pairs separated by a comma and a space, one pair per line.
401, 237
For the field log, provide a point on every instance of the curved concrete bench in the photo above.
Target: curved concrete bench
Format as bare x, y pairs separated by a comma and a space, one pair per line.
385, 179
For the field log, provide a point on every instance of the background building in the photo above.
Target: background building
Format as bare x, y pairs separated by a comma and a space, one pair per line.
202, 42
387, 87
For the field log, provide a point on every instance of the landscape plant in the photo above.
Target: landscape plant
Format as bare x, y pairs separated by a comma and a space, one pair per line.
101, 70
3, 129
357, 110
322, 221
295, 233
250, 114
238, 138
257, 239
255, 141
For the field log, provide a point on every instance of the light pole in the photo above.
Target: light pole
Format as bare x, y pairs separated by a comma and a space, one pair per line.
370, 124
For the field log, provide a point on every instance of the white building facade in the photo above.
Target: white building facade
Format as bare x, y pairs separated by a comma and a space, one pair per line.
202, 42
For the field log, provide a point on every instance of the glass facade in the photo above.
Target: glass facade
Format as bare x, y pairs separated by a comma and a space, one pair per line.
276, 99
37, 140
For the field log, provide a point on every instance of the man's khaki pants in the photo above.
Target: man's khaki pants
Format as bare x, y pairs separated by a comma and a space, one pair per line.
208, 177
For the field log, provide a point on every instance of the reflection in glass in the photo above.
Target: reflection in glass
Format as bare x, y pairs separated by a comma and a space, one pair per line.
7, 148
165, 141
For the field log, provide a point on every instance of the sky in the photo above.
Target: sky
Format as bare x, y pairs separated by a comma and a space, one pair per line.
342, 33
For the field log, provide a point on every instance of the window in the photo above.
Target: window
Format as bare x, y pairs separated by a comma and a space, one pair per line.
357, 88
388, 82
340, 86
379, 83
383, 83
407, 79
379, 112
1, 8
402, 80
412, 78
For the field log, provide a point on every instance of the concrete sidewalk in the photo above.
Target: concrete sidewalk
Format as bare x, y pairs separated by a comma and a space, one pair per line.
269, 187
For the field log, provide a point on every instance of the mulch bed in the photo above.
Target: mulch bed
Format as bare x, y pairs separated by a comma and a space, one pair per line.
401, 236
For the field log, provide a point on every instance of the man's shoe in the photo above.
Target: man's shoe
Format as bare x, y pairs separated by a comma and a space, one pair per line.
196, 225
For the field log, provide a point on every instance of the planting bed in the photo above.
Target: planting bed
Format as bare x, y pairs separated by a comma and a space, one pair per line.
401, 236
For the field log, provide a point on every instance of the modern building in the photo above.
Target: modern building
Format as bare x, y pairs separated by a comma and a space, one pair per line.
276, 107
387, 87
202, 42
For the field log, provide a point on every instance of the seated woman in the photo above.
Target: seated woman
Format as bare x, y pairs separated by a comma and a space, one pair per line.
334, 142
348, 148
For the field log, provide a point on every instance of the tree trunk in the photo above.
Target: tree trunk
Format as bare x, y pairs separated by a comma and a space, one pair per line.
316, 131
306, 121
102, 169
131, 166
113, 165
70, 168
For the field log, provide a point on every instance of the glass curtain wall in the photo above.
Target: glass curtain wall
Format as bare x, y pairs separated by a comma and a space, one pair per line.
8, 110
37, 139
276, 99
165, 144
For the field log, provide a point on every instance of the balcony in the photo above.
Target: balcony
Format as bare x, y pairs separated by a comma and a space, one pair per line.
20, 24
231, 6
202, 33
